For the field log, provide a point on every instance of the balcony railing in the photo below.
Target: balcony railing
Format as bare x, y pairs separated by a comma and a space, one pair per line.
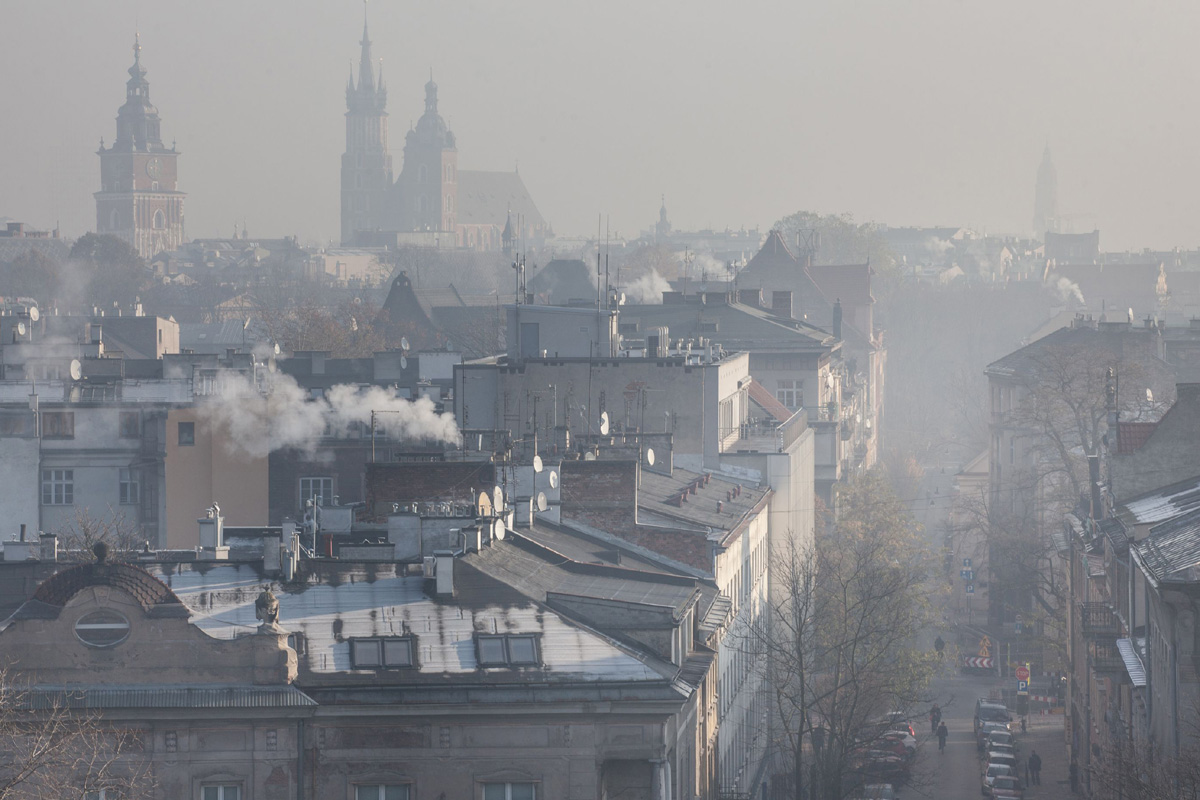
1098, 619
1104, 656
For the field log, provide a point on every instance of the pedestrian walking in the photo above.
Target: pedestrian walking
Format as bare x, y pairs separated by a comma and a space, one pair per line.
935, 716
942, 733
1035, 767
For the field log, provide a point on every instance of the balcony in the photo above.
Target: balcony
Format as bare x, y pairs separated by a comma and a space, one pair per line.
1103, 656
1098, 619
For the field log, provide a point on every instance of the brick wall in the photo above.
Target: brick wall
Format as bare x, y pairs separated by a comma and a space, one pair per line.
427, 482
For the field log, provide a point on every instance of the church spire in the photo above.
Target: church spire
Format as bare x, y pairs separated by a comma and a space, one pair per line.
366, 80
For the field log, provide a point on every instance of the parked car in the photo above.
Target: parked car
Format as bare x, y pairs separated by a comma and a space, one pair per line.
892, 721
997, 757
1007, 787
903, 737
994, 746
987, 711
883, 764
993, 771
1002, 737
986, 729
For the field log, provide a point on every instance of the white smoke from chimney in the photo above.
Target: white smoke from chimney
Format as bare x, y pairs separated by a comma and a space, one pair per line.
648, 289
1067, 289
278, 414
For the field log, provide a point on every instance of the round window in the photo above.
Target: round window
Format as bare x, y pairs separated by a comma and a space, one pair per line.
103, 628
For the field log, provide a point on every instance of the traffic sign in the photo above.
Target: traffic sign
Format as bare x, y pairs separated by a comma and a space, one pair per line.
966, 562
969, 574
1022, 687
970, 588
1018, 627
1022, 674
962, 573
985, 647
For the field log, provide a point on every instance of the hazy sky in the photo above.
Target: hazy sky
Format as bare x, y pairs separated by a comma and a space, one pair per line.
923, 112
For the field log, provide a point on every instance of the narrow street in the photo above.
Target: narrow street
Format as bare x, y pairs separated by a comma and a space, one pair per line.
955, 774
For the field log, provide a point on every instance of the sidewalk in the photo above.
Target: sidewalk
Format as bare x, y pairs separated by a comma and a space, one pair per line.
1045, 735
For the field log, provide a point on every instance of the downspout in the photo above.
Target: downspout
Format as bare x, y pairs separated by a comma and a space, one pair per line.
299, 759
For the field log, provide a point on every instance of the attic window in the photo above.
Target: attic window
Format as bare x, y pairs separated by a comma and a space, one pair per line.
102, 628
383, 653
506, 650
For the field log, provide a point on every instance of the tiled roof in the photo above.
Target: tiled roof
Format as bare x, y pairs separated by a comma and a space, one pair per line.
767, 401
1162, 504
1172, 550
1132, 435
58, 589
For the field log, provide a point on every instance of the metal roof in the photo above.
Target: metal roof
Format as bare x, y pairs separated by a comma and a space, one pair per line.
42, 698
1133, 664
1162, 504
1172, 550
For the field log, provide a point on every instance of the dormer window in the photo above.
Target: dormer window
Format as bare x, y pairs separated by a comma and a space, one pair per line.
392, 652
507, 650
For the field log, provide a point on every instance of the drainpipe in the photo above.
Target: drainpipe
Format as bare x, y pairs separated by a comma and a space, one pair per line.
299, 759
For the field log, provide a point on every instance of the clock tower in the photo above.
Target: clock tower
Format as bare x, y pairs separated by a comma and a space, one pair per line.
138, 198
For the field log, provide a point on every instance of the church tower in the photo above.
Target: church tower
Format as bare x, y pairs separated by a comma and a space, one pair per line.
427, 190
138, 198
366, 164
1045, 201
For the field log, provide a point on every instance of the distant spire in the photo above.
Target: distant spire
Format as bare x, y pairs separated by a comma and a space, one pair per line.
431, 95
365, 79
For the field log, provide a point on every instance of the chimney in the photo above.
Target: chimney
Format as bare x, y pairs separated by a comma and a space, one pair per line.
443, 572
22, 531
49, 547
837, 319
97, 333
212, 535
751, 297
781, 304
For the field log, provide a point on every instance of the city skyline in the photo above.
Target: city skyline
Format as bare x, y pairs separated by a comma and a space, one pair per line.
602, 114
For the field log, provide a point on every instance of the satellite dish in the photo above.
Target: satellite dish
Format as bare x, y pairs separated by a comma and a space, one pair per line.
621, 299
76, 369
34, 314
404, 343
20, 329
542, 504
403, 362
498, 530
553, 479
589, 456
604, 423
650, 456
497, 500
537, 463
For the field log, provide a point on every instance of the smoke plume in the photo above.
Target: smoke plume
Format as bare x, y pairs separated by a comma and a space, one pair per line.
278, 414
1068, 289
648, 289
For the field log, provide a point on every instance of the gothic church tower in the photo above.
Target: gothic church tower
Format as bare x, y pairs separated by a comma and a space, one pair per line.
366, 164
138, 198
427, 190
1045, 201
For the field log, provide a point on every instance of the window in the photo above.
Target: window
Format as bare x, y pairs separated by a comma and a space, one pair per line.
381, 792
790, 393
507, 650
319, 490
386, 653
187, 434
131, 425
58, 424
509, 791
58, 487
221, 793
103, 628
130, 483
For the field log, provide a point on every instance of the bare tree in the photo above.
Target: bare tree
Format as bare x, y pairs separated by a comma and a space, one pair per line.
840, 640
122, 538
51, 747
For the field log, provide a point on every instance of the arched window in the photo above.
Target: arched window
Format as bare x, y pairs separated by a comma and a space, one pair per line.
160, 220
449, 203
114, 220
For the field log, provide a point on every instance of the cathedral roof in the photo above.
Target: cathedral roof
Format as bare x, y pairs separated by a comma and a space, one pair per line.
486, 198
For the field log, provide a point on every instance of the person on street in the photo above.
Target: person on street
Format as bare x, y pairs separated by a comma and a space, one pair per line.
1035, 767
935, 716
939, 644
942, 733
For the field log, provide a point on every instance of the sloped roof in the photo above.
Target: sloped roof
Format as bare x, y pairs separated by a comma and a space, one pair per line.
1162, 504
768, 403
44, 697
850, 283
1172, 550
486, 198
1132, 435
58, 589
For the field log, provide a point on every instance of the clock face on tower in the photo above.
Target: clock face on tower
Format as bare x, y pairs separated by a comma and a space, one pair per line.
153, 167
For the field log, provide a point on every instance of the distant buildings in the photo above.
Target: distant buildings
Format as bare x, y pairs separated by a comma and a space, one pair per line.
431, 203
